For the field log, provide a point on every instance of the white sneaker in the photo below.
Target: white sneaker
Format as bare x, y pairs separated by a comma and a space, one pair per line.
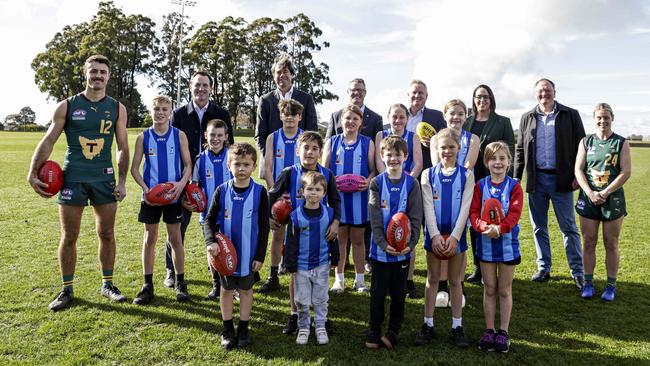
361, 287
303, 336
450, 302
321, 336
442, 299
368, 268
338, 287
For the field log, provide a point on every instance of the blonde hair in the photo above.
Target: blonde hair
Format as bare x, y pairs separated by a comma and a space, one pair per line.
352, 108
492, 149
161, 99
447, 133
453, 103
604, 106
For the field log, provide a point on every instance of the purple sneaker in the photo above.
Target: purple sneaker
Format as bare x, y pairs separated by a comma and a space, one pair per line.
502, 342
609, 294
486, 343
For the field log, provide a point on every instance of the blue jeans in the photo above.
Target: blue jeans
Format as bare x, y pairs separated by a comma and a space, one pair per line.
311, 289
538, 204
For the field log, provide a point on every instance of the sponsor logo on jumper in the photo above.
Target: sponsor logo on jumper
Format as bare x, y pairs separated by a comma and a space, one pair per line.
79, 115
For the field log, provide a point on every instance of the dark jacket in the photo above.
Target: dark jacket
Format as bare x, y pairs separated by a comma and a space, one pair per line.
436, 119
268, 115
372, 123
186, 119
568, 133
497, 128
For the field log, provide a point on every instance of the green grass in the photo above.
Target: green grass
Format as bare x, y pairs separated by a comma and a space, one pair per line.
550, 323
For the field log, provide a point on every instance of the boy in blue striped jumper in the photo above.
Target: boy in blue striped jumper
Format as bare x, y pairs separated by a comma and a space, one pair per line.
239, 210
309, 254
162, 148
390, 192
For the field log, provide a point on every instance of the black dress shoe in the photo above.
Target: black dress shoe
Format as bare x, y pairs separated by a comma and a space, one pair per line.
541, 276
579, 281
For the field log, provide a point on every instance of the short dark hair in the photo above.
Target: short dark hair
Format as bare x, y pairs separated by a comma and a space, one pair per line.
547, 80
283, 60
396, 143
242, 149
203, 73
308, 136
309, 178
359, 81
217, 123
99, 59
493, 103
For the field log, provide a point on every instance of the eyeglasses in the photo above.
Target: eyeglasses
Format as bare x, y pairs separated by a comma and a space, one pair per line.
356, 90
482, 97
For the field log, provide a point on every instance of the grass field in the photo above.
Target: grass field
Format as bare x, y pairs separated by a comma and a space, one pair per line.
550, 324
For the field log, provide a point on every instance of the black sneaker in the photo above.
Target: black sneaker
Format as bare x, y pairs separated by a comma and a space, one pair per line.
475, 277
214, 293
292, 325
425, 336
282, 269
112, 293
243, 338
144, 296
389, 339
228, 339
372, 340
170, 279
412, 291
271, 284
457, 337
181, 291
62, 300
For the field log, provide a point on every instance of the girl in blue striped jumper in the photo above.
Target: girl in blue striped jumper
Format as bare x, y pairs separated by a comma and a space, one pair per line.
498, 245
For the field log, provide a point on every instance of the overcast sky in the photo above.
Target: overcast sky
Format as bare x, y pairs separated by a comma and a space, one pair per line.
594, 51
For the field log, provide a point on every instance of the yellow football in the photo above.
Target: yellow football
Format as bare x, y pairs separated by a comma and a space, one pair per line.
425, 131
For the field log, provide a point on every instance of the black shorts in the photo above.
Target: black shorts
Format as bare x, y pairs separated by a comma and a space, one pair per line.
171, 214
513, 262
239, 283
358, 226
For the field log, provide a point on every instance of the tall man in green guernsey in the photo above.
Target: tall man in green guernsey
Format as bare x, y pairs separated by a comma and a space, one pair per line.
90, 120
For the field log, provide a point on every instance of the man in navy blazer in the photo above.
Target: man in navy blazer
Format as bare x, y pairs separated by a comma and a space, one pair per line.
268, 114
419, 113
372, 122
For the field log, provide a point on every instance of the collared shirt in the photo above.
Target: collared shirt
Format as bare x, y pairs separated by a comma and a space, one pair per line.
287, 95
200, 111
414, 119
545, 138
363, 110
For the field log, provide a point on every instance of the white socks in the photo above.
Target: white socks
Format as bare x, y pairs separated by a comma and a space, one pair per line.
456, 322
340, 277
428, 321
359, 278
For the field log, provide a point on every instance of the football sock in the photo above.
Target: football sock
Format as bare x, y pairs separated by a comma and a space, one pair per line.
180, 277
589, 278
456, 322
274, 272
611, 281
243, 324
340, 276
359, 278
107, 278
67, 281
428, 321
228, 325
148, 279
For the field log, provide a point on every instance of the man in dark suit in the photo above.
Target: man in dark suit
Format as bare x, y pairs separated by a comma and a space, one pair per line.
372, 122
418, 95
547, 146
268, 121
192, 119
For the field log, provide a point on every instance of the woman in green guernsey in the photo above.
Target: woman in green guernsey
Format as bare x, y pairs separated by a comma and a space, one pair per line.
603, 165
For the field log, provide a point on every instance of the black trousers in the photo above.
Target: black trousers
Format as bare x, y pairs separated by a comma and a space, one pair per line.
388, 278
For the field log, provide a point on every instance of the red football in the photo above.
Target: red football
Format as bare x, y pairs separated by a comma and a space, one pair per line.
195, 196
50, 172
226, 261
349, 183
281, 211
398, 231
492, 211
159, 194
444, 257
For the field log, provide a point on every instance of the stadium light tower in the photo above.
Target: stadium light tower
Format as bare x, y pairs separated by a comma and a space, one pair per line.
183, 4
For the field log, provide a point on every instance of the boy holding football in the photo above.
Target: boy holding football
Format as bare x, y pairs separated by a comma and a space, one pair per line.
391, 192
309, 254
282, 148
162, 148
310, 145
240, 211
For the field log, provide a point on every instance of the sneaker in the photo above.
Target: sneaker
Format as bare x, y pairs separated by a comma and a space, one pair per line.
463, 303
271, 284
587, 291
579, 281
442, 299
541, 276
228, 339
372, 340
609, 294
321, 336
214, 293
425, 336
144, 296
303, 336
475, 277
170, 279
412, 291
457, 337
338, 287
292, 325
486, 343
181, 291
502, 342
329, 327
112, 293
360, 287
243, 338
62, 300
368, 268
389, 339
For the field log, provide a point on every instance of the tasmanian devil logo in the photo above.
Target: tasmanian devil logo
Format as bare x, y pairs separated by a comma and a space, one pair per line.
91, 148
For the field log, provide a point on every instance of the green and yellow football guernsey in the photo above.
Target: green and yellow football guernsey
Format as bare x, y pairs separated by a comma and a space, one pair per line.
89, 129
602, 160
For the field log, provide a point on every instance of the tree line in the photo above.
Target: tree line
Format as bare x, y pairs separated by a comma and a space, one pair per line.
237, 53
